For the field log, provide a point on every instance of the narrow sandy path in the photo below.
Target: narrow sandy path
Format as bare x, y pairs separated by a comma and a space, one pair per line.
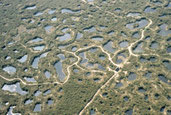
76, 63
68, 68
84, 1
13, 79
116, 73
97, 93
142, 36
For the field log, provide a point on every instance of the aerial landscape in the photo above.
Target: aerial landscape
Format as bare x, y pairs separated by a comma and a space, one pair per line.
85, 57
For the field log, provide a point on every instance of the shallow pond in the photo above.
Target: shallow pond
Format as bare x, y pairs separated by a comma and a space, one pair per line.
90, 29
67, 10
50, 102
25, 69
35, 62
108, 46
39, 48
59, 71
47, 92
102, 27
61, 56
93, 50
146, 97
74, 48
11, 43
97, 38
163, 30
64, 37
75, 70
118, 10
10, 69
37, 107
36, 39
31, 7
87, 74
154, 45
53, 19
141, 90
102, 57
83, 56
31, 21
157, 2
152, 59
168, 49
7, 57
129, 112
79, 35
96, 79
148, 9
169, 5
65, 29
147, 38
47, 74
105, 94
101, 67
123, 34
163, 78
38, 13
92, 112
126, 98
110, 33
37, 58
148, 74
10, 111
62, 46
48, 28
90, 65
136, 35
51, 11
118, 85
167, 64
133, 14
30, 79
14, 88
141, 23
37, 93
23, 59
28, 101
90, 0
138, 48
118, 61
162, 109
123, 44
132, 76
